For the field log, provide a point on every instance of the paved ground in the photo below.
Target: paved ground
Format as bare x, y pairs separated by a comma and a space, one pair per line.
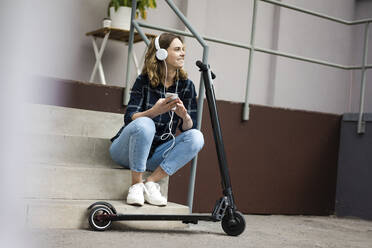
261, 231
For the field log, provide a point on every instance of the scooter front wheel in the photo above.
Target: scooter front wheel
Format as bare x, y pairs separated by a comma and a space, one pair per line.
233, 226
97, 220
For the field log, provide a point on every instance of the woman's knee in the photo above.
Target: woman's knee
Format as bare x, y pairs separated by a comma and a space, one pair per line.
196, 139
145, 125
118, 155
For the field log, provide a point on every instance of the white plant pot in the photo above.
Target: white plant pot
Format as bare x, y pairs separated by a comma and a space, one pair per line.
121, 17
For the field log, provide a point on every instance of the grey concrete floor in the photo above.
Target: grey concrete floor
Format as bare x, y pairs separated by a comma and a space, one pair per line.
261, 231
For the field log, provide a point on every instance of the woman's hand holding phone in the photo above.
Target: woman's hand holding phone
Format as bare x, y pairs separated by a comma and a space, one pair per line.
164, 105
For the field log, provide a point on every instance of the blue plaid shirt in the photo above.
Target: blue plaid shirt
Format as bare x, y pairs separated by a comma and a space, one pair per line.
143, 97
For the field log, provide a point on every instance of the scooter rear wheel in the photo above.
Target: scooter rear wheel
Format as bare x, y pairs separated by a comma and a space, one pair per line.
233, 226
95, 218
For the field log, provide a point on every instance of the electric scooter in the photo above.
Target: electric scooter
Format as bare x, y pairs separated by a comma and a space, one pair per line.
102, 214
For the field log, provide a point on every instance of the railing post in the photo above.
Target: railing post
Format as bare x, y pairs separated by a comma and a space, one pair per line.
250, 62
200, 100
361, 123
190, 196
130, 47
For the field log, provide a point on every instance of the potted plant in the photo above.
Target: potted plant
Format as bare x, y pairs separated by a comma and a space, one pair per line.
120, 11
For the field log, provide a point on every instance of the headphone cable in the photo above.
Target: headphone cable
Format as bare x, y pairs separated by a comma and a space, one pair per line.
166, 136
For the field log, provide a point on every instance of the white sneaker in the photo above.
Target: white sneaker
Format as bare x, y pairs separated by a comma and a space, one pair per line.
153, 195
135, 194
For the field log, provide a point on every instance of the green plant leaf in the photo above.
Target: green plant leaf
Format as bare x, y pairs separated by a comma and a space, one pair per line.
152, 4
116, 4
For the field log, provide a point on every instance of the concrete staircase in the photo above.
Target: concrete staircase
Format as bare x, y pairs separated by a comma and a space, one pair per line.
70, 168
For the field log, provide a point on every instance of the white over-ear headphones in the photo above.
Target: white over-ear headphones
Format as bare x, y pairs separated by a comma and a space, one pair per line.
161, 53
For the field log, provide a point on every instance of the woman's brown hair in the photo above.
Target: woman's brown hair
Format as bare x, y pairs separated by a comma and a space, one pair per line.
154, 68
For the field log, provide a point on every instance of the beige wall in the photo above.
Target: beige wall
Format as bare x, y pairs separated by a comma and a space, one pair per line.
55, 36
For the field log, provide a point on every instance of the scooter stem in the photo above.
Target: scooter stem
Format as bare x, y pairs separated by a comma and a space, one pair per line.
211, 99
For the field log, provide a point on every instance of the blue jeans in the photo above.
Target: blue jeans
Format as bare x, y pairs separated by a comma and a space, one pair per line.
132, 147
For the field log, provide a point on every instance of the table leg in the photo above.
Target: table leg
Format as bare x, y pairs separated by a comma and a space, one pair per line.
142, 61
98, 64
136, 62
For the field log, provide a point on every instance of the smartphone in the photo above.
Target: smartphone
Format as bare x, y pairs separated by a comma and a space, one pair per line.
173, 96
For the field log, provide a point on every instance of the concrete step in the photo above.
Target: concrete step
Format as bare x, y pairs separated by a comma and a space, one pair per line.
68, 135
73, 214
70, 168
55, 120
50, 181
50, 148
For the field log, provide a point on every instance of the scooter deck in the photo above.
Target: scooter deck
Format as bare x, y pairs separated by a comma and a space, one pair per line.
192, 218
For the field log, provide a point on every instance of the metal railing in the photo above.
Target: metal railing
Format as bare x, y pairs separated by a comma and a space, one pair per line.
253, 48
363, 67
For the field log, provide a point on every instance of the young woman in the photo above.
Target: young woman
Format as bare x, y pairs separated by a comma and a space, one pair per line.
147, 140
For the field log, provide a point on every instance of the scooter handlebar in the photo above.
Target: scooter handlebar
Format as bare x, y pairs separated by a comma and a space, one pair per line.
204, 67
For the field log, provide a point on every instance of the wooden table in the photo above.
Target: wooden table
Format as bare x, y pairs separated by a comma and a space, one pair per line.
112, 34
